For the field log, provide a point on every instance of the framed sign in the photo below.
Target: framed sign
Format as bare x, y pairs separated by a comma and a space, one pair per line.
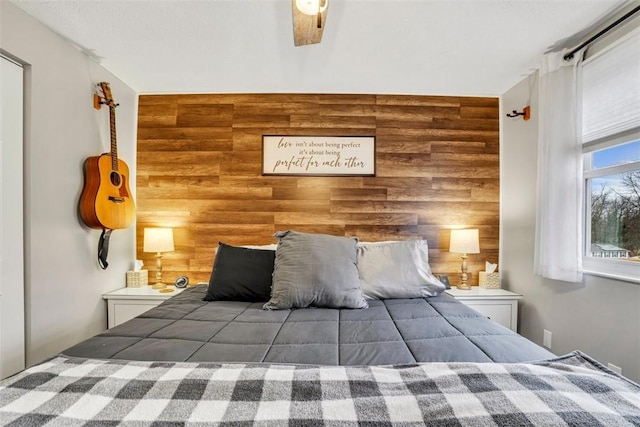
319, 155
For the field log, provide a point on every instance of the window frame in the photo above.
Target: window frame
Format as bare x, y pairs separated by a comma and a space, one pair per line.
605, 267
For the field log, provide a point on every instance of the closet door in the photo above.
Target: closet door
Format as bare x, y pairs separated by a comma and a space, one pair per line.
12, 339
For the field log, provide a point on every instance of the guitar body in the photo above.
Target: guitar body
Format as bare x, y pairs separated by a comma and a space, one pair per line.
106, 201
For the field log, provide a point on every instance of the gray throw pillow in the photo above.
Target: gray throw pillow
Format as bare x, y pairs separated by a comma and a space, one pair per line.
315, 270
398, 269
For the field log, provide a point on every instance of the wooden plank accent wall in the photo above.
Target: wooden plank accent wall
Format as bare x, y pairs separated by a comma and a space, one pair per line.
199, 171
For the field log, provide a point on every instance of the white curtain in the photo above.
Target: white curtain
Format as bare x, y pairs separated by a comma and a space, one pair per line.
558, 252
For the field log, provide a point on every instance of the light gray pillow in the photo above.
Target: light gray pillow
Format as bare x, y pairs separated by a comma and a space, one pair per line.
398, 269
315, 270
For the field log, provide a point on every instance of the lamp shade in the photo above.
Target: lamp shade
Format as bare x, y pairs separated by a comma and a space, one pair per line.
158, 240
464, 241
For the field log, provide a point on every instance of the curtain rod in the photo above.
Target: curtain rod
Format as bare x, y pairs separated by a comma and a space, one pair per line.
623, 18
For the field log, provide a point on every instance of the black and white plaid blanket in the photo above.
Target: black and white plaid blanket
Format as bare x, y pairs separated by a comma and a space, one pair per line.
570, 390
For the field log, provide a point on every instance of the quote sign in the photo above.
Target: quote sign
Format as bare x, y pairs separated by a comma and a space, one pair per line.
319, 155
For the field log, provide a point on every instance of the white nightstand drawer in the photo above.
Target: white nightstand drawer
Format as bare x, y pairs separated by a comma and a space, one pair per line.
500, 313
499, 305
126, 303
127, 310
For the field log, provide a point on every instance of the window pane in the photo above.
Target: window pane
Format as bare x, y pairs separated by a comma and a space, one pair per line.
618, 155
615, 216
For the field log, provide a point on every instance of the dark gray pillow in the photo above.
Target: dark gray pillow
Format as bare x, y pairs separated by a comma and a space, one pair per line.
398, 269
315, 270
241, 274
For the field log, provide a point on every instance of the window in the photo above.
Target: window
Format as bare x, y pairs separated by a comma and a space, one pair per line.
611, 150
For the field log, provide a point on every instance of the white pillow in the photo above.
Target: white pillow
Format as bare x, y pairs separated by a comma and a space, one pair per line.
271, 247
398, 269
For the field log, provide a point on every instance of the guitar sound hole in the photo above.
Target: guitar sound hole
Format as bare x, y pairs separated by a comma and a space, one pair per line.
115, 178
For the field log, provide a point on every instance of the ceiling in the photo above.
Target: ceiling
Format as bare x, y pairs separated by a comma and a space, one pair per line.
435, 47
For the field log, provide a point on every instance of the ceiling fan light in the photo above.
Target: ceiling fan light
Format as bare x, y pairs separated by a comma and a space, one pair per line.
312, 7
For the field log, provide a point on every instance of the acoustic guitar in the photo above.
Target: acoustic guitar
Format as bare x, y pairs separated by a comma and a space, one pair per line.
106, 201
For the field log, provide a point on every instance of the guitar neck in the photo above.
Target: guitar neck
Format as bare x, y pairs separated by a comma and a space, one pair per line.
114, 145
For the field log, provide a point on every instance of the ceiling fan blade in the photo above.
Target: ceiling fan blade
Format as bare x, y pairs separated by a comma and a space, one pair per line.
307, 29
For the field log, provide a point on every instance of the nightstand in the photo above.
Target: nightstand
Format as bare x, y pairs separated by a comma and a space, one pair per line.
126, 303
499, 305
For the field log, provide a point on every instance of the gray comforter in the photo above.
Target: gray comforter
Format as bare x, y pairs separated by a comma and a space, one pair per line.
395, 331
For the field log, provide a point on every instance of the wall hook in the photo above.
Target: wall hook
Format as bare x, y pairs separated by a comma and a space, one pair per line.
99, 101
526, 113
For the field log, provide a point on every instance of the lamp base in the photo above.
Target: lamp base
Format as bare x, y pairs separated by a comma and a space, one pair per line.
158, 286
463, 279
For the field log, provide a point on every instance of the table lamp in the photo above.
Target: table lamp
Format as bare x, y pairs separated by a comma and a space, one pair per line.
158, 240
464, 242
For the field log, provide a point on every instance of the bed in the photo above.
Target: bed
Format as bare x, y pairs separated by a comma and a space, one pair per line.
273, 340
394, 331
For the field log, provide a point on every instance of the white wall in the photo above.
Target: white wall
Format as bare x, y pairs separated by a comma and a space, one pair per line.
62, 279
600, 316
12, 344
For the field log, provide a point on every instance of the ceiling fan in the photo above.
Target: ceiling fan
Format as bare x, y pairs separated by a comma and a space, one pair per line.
309, 18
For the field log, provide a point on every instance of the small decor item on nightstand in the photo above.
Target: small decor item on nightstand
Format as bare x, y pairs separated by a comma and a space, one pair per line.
181, 282
490, 278
137, 279
444, 279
